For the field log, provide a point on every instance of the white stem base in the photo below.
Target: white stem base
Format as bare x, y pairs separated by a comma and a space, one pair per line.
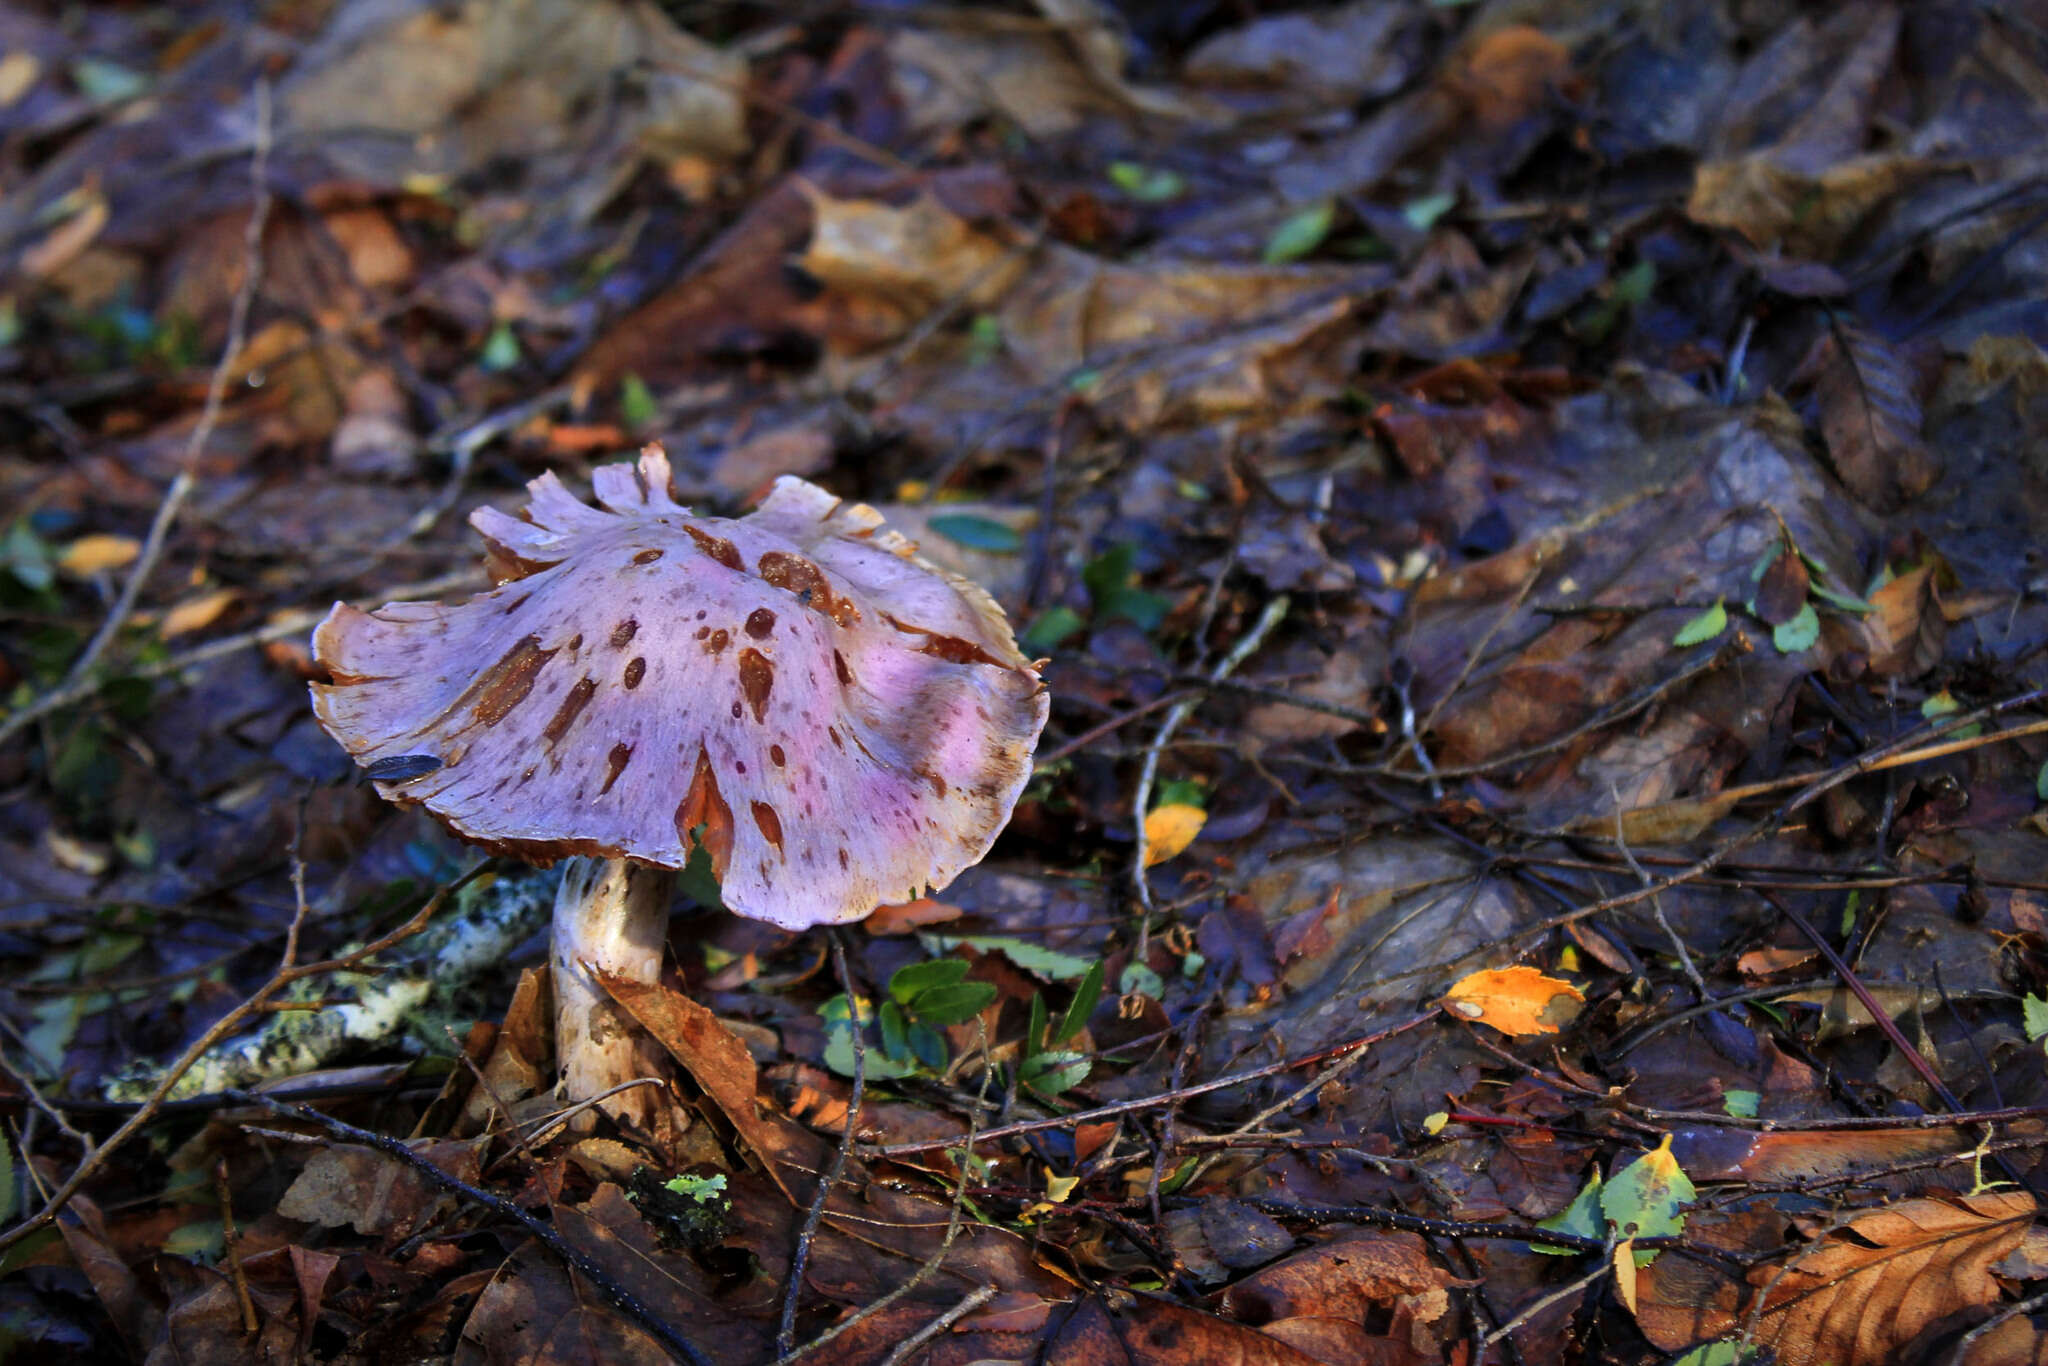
613, 915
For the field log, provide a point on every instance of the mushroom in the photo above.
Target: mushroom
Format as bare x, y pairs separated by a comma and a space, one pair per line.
836, 722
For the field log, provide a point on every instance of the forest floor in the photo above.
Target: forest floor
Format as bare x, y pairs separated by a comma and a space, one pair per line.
1533, 513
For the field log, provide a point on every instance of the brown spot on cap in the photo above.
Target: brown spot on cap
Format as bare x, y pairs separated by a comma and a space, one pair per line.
770, 823
844, 860
757, 680
839, 667
718, 548
719, 640
837, 743
572, 707
777, 757
615, 764
647, 557
760, 622
636, 669
622, 634
503, 686
795, 574
704, 805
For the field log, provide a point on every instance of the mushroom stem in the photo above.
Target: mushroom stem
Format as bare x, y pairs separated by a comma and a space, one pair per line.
610, 914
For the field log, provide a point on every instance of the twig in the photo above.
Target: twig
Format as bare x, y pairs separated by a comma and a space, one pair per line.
227, 1025
231, 1244
1094, 733
974, 1299
1149, 771
1961, 1354
1472, 658
1460, 1228
195, 445
464, 442
70, 693
1125, 1107
1891, 755
1699, 983
628, 1303
785, 1331
931, 1264
1535, 1307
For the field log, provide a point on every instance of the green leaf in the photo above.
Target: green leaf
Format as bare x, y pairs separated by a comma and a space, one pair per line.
978, 533
1051, 1073
637, 407
875, 1065
703, 1189
1140, 606
1942, 704
1034, 1029
1147, 184
1075, 1018
1741, 1104
27, 558
501, 349
1182, 792
1834, 597
1581, 1217
1704, 627
1799, 633
1033, 958
1053, 627
1110, 572
928, 1046
698, 881
1300, 233
2041, 782
1717, 1354
1141, 979
1646, 1199
1422, 213
105, 82
202, 1239
895, 1031
955, 1004
2035, 1008
907, 981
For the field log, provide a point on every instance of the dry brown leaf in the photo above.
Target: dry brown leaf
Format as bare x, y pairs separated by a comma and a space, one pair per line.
1903, 637
1858, 1297
89, 555
1870, 395
196, 614
904, 917
64, 243
1519, 1000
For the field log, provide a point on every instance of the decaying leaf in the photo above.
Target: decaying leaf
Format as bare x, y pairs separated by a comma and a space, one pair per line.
1171, 828
1857, 1297
1519, 1000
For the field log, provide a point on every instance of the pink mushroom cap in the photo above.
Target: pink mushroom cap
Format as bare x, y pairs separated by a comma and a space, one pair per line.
840, 722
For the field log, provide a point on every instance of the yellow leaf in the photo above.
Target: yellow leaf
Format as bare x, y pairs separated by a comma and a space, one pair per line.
1434, 1122
196, 614
89, 555
1625, 1272
1517, 1000
1170, 829
1058, 1188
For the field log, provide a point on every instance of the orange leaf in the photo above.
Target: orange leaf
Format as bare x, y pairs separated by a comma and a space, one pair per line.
1517, 1000
910, 915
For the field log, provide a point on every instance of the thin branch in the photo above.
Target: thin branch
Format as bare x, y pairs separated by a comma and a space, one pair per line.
1125, 1107
785, 1331
209, 417
625, 1300
225, 1027
1140, 876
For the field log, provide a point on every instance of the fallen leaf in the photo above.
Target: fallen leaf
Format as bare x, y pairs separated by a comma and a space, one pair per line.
1519, 1000
89, 555
1857, 1297
1170, 829
196, 614
903, 917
